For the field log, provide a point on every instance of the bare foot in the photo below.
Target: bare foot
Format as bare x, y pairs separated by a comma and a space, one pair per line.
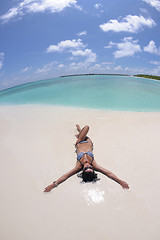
78, 128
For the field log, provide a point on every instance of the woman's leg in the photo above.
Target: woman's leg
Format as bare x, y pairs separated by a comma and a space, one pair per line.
79, 130
82, 133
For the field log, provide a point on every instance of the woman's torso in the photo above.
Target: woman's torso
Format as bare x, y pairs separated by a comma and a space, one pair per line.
85, 147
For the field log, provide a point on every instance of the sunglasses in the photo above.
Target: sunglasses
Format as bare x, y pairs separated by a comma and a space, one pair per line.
87, 168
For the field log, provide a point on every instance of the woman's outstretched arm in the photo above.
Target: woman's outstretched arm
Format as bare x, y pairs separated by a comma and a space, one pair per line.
110, 175
63, 178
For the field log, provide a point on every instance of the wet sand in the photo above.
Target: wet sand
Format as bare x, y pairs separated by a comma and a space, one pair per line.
37, 147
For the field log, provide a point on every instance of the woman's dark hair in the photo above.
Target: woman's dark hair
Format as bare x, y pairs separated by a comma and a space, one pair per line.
88, 176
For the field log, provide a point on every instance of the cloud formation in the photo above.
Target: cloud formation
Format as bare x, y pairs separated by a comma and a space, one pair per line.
67, 44
26, 69
82, 33
76, 47
128, 24
154, 3
151, 48
33, 6
1, 59
91, 57
46, 68
118, 68
155, 62
128, 47
98, 5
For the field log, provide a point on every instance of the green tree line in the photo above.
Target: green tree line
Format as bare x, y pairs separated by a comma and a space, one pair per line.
148, 76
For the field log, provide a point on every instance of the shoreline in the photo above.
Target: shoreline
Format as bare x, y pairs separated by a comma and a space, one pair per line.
76, 108
152, 77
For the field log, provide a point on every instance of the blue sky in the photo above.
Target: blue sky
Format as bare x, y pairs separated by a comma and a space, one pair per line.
42, 39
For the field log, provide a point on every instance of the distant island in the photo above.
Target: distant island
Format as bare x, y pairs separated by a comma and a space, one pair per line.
148, 76
137, 75
87, 74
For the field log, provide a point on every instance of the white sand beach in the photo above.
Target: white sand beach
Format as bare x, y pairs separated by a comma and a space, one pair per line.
37, 147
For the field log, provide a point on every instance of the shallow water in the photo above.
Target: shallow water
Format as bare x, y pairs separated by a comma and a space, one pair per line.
108, 92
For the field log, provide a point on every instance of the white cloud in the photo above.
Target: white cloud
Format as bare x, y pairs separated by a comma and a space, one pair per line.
128, 24
118, 68
1, 59
82, 33
154, 3
67, 44
155, 62
76, 47
32, 6
72, 64
144, 10
78, 66
46, 68
151, 48
60, 66
143, 70
132, 71
91, 57
26, 69
106, 63
107, 68
98, 5
97, 66
110, 45
128, 47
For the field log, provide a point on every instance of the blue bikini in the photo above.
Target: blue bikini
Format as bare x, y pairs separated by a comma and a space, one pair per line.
81, 154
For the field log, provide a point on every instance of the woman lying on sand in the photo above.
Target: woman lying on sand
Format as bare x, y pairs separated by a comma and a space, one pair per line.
85, 162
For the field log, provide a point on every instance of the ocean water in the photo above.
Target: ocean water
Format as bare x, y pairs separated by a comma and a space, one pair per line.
107, 92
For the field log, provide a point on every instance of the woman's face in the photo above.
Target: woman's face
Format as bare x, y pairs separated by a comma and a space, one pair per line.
87, 167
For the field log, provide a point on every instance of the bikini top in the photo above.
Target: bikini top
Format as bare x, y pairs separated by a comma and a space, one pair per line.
81, 154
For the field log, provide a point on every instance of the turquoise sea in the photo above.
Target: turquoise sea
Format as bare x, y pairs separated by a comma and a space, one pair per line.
107, 92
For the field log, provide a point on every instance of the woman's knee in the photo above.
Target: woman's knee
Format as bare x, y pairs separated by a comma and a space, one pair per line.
87, 128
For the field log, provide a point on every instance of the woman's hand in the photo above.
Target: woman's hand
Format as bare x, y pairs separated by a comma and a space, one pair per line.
124, 185
63, 178
49, 188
